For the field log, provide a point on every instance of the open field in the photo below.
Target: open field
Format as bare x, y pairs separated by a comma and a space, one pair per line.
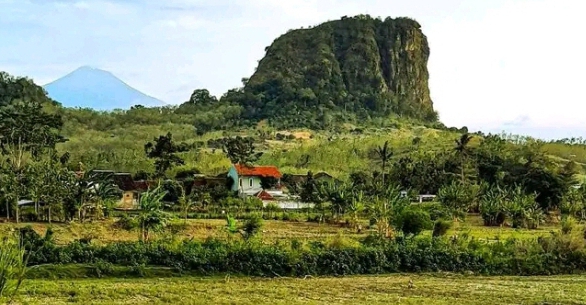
427, 289
198, 229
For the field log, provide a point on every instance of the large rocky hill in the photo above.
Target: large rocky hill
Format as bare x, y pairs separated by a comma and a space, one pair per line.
357, 66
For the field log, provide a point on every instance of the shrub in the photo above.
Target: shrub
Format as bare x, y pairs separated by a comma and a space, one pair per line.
441, 227
102, 268
555, 254
251, 227
435, 210
492, 208
568, 224
414, 221
457, 197
523, 210
12, 266
126, 222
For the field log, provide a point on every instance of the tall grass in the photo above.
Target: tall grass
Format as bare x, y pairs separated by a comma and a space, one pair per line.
12, 266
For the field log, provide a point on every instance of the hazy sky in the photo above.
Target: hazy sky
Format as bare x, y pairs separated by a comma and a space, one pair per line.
515, 63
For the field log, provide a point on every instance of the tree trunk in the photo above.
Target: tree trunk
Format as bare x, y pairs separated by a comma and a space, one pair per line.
383, 173
16, 213
462, 168
8, 209
49, 216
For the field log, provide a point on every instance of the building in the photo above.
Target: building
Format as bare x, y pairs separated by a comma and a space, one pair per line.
248, 179
130, 194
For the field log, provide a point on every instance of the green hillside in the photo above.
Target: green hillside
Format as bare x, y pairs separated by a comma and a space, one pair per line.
360, 66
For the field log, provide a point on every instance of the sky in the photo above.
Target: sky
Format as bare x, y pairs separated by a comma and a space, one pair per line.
514, 65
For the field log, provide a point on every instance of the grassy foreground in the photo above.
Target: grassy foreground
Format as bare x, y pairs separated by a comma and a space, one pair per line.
427, 289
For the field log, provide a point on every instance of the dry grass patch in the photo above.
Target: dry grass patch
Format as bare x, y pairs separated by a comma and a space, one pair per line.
427, 289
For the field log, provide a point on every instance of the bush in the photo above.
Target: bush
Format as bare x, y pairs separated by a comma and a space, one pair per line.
554, 254
441, 227
492, 208
414, 221
126, 222
457, 197
102, 268
435, 210
568, 224
251, 226
12, 266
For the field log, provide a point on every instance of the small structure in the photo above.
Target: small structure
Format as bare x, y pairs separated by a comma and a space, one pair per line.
264, 196
248, 179
422, 198
130, 194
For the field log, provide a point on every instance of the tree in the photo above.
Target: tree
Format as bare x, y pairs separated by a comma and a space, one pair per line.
462, 150
164, 151
27, 126
383, 209
104, 196
241, 150
202, 97
457, 197
185, 202
151, 217
58, 185
384, 154
11, 188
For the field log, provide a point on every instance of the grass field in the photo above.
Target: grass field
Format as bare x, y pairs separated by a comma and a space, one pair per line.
427, 289
105, 231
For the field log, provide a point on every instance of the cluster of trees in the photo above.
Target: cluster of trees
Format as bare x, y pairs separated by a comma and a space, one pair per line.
500, 180
32, 128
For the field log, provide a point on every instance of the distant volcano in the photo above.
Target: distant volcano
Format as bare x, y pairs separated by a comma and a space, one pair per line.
88, 87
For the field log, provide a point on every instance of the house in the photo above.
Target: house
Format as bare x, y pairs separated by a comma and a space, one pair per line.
248, 179
130, 194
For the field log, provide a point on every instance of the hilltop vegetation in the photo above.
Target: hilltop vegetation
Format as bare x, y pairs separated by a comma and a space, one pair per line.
356, 67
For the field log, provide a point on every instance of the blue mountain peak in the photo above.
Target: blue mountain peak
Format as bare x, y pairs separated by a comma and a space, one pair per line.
90, 87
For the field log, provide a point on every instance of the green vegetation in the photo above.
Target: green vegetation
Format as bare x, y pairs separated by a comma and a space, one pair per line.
395, 289
356, 67
356, 90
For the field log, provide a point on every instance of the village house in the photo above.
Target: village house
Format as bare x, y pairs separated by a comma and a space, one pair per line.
130, 194
248, 179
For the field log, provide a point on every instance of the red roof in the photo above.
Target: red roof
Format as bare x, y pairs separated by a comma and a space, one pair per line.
262, 171
263, 195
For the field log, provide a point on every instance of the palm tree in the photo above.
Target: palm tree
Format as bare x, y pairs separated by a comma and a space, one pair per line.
462, 151
104, 195
384, 154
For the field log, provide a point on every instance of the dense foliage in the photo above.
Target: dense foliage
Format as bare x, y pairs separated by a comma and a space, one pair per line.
556, 254
356, 67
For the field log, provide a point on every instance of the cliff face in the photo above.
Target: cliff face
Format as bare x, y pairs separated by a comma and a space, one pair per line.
359, 65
